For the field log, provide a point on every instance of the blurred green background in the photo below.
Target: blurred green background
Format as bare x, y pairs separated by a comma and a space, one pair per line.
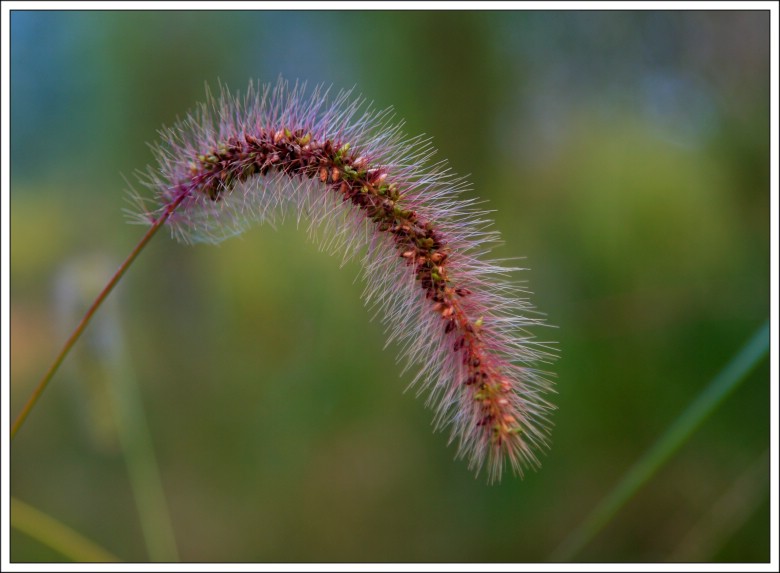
627, 157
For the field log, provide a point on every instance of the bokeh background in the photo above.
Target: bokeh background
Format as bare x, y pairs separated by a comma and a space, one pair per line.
235, 403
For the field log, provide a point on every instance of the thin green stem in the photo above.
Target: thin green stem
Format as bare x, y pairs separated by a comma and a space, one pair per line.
727, 380
88, 316
57, 535
142, 468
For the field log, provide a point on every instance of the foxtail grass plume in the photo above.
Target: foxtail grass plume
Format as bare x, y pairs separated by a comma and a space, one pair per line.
364, 189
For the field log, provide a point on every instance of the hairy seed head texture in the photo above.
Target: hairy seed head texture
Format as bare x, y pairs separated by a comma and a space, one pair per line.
367, 190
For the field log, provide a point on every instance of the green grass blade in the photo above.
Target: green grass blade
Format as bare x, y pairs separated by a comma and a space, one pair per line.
681, 430
52, 533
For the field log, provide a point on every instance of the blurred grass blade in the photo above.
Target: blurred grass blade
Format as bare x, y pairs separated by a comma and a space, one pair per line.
727, 514
681, 430
57, 535
111, 402
143, 471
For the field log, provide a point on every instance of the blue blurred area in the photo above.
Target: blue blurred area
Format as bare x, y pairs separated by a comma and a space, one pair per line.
626, 155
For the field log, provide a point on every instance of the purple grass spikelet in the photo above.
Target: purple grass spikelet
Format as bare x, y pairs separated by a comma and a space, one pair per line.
364, 189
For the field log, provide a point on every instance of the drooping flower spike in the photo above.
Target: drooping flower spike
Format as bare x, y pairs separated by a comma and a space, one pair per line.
365, 189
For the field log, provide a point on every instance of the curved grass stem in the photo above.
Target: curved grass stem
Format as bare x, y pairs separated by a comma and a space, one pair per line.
89, 314
727, 380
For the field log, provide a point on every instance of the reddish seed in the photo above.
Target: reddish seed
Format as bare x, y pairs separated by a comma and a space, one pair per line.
335, 174
323, 174
447, 312
408, 254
